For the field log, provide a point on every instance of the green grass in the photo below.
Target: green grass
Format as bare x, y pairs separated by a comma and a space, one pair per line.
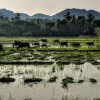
62, 57
61, 54
50, 39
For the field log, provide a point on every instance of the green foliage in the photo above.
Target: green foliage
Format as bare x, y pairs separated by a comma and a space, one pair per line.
98, 31
16, 19
50, 24
68, 26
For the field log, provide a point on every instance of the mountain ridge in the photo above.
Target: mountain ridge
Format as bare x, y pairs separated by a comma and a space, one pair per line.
40, 15
73, 11
77, 12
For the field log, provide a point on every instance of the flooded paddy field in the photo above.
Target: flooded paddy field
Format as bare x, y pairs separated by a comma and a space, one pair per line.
50, 73
49, 56
85, 85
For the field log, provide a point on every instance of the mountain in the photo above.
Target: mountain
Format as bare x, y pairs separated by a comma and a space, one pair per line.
10, 14
25, 16
6, 13
77, 12
41, 16
73, 11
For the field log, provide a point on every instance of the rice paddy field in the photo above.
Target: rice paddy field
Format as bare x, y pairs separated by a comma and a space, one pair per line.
50, 73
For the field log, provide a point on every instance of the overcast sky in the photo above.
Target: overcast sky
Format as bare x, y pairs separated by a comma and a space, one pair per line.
49, 7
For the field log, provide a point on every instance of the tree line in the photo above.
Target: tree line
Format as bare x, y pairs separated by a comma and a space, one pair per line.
70, 25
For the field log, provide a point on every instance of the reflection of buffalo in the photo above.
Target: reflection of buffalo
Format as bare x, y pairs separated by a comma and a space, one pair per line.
1, 47
90, 43
75, 44
16, 43
44, 45
63, 44
23, 45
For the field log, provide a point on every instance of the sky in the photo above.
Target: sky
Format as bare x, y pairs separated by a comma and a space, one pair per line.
49, 7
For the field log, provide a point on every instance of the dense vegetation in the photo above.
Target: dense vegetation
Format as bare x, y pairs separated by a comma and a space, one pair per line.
68, 26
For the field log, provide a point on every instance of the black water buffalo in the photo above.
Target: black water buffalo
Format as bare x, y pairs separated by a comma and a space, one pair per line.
16, 43
90, 43
75, 44
23, 45
44, 40
56, 41
36, 44
63, 44
1, 47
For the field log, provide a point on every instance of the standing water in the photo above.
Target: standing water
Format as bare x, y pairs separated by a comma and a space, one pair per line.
46, 90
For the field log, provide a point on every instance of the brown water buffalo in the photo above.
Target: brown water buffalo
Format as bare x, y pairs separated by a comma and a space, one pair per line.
23, 45
75, 44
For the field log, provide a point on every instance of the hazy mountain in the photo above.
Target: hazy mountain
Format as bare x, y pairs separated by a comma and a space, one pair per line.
6, 13
41, 16
77, 12
25, 16
10, 14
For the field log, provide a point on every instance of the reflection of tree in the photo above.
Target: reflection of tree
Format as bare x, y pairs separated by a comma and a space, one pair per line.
78, 70
65, 97
61, 67
67, 16
53, 97
65, 86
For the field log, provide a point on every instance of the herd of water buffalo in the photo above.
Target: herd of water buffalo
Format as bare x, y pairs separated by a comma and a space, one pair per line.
44, 43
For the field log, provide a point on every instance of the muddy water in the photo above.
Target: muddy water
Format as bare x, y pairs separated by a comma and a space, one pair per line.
8, 45
18, 90
11, 45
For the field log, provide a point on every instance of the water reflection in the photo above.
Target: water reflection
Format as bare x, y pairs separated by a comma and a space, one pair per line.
45, 90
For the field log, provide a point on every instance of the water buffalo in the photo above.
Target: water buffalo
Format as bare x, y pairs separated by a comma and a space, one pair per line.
90, 43
63, 44
44, 45
36, 44
16, 43
56, 41
1, 47
44, 40
75, 44
23, 45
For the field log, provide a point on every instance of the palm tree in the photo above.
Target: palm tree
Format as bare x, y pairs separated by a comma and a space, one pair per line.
50, 24
67, 16
90, 18
17, 17
73, 19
